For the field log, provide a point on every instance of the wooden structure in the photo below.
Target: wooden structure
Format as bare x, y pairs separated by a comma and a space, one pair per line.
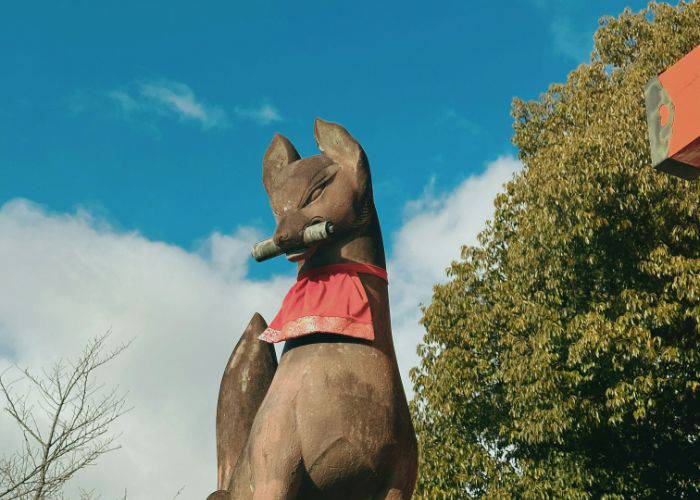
673, 117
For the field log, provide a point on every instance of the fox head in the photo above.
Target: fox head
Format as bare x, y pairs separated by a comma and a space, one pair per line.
333, 186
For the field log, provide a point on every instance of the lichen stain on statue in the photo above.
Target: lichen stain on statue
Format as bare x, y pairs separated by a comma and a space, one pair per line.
331, 420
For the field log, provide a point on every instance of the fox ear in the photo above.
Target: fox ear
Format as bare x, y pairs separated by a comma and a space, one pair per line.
279, 154
337, 143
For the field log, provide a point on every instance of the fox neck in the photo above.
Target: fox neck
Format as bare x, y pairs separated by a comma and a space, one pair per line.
365, 246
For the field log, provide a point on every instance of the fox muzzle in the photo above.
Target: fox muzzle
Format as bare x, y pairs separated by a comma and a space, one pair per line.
267, 249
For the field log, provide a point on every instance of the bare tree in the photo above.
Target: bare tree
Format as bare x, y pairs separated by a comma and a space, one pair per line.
64, 418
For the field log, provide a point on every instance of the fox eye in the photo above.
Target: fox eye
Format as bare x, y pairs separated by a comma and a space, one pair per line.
315, 194
316, 191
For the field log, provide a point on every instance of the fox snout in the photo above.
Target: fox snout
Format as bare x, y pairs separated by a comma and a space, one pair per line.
290, 230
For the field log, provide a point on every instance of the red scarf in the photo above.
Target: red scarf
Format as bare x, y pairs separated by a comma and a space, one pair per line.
328, 299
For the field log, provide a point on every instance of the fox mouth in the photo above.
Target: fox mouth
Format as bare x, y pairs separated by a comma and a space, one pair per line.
297, 254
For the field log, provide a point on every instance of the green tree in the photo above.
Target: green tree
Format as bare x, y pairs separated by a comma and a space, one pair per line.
561, 357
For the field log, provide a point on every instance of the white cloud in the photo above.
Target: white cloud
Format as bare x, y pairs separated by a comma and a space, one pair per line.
147, 99
451, 118
264, 114
170, 99
430, 238
124, 101
576, 45
69, 277
569, 39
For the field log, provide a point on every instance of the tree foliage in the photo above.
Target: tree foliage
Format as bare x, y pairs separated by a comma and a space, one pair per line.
561, 357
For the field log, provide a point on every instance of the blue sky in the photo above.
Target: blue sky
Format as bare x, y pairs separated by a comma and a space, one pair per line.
426, 90
131, 139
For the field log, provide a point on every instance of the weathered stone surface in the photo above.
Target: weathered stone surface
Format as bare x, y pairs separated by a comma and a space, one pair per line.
334, 421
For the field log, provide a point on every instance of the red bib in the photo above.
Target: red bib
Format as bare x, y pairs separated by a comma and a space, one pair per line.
328, 299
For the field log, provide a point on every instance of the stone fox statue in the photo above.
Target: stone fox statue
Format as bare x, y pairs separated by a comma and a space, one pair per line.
331, 419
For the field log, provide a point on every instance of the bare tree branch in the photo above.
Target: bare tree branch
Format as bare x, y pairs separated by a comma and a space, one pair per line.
71, 430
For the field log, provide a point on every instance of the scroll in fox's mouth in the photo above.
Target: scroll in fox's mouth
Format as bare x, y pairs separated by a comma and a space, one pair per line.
312, 235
